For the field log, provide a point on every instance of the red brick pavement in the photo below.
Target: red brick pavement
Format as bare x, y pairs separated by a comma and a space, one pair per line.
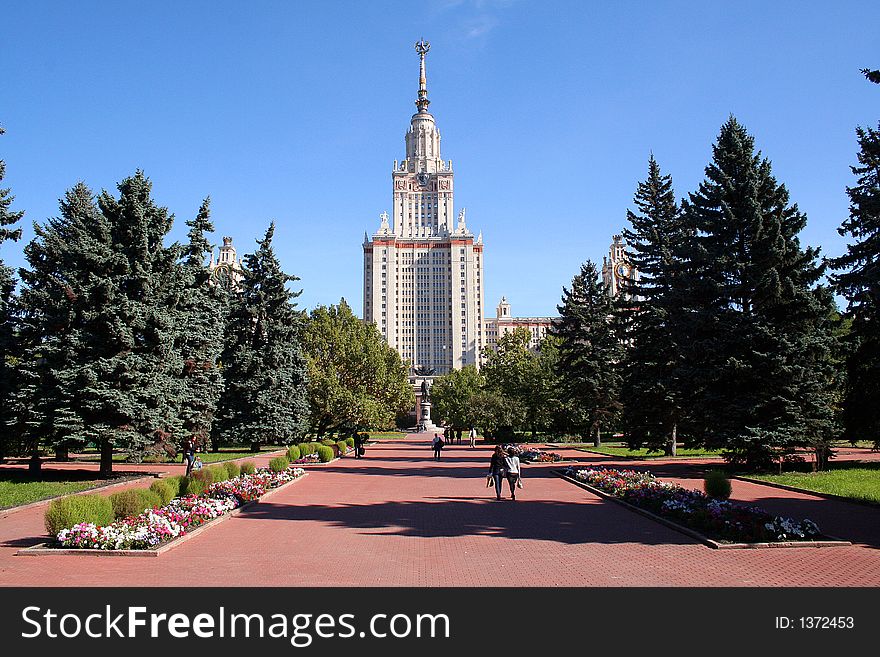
398, 518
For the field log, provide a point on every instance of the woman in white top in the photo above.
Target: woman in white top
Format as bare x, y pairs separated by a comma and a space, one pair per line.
513, 471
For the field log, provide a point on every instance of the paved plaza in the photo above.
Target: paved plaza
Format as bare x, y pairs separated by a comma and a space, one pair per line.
398, 518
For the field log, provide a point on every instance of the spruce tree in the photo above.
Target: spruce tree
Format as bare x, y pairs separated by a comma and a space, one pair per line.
101, 304
760, 338
265, 394
9, 343
590, 353
858, 279
147, 361
67, 296
651, 393
202, 322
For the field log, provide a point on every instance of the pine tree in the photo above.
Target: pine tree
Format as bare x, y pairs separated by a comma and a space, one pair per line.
200, 341
265, 396
148, 361
101, 302
760, 336
651, 393
858, 279
67, 295
590, 353
9, 343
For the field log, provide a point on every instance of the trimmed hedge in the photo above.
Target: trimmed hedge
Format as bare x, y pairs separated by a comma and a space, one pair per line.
218, 472
279, 464
716, 484
325, 453
342, 446
69, 511
134, 502
174, 484
349, 441
329, 442
307, 448
164, 490
248, 467
293, 453
233, 469
195, 485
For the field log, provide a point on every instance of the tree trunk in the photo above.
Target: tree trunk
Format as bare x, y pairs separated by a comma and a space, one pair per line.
597, 441
35, 464
255, 447
106, 458
671, 448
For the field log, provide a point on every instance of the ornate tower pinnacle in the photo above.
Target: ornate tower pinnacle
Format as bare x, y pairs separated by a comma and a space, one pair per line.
422, 47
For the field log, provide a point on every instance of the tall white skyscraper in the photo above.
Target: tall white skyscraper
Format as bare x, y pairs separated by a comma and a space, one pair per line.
423, 268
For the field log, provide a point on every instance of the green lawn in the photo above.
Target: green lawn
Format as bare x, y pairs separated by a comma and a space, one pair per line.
619, 449
388, 435
17, 487
857, 481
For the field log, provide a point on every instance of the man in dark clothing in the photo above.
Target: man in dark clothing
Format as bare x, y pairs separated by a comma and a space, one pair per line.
189, 454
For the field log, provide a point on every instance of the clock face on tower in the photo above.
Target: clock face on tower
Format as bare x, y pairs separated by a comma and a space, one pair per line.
621, 270
423, 178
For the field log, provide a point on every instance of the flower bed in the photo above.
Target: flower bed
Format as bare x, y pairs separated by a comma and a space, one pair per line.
535, 455
182, 514
717, 519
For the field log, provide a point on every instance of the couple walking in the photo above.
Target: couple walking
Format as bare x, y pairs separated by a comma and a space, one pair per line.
505, 465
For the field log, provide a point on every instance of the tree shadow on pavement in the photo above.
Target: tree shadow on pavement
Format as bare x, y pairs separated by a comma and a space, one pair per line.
563, 522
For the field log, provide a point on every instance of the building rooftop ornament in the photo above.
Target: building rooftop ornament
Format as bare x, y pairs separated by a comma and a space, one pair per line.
384, 228
422, 47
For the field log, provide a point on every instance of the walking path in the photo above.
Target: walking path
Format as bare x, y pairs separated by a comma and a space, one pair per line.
398, 518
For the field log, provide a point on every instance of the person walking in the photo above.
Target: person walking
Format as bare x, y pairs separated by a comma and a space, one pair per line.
437, 445
473, 436
496, 470
513, 470
358, 445
189, 454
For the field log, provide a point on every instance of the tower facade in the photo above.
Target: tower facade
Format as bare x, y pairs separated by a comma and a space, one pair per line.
423, 268
616, 268
226, 269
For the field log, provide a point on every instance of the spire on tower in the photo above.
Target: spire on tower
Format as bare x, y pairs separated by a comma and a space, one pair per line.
422, 47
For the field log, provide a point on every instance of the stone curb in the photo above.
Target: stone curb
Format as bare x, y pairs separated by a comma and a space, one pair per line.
831, 542
40, 550
805, 491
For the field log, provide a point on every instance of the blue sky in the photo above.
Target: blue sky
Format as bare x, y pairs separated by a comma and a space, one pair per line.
294, 111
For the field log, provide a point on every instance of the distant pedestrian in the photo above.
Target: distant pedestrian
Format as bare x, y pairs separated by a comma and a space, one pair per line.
458, 436
437, 445
496, 470
189, 454
512, 470
358, 445
473, 436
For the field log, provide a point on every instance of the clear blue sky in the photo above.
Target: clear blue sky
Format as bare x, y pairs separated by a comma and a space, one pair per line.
294, 111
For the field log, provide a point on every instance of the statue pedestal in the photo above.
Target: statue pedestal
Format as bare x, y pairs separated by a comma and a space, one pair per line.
426, 417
